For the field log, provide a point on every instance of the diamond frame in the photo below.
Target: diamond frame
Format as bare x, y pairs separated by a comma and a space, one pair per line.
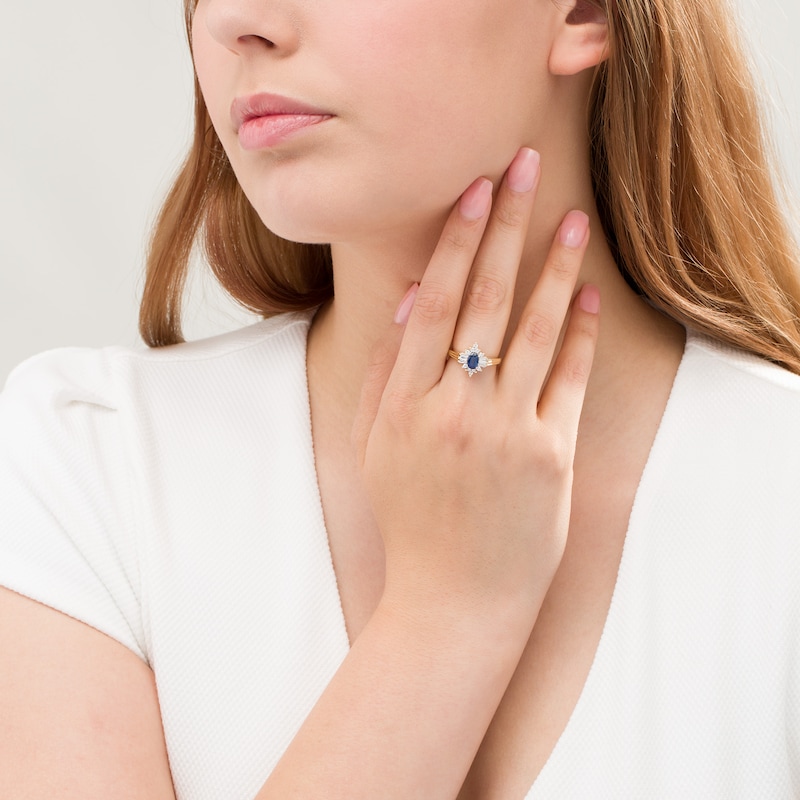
483, 359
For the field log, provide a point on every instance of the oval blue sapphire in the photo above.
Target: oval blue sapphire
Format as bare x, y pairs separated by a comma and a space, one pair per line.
473, 360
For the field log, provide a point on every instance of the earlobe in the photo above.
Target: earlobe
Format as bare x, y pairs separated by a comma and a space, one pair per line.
581, 41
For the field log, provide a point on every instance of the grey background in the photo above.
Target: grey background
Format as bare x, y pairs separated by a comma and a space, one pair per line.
95, 103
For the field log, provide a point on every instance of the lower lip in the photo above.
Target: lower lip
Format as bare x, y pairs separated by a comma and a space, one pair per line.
264, 132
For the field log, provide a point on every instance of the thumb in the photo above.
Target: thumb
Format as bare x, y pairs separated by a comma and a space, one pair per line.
381, 362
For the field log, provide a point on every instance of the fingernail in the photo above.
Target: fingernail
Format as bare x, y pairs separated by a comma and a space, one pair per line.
475, 201
523, 170
573, 229
406, 304
589, 299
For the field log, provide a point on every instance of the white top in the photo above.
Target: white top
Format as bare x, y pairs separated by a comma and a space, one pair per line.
169, 498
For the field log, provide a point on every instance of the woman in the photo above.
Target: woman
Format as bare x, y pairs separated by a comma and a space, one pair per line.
569, 574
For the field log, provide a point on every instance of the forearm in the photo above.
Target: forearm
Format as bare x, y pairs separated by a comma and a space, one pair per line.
406, 712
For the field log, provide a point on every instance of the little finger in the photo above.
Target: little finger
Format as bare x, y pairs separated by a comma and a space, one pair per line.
561, 402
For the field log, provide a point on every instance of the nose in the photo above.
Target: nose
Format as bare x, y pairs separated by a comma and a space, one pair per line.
243, 26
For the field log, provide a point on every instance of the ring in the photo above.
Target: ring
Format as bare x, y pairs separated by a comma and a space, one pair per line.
473, 360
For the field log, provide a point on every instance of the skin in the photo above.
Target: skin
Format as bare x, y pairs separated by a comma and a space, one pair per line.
371, 64
493, 545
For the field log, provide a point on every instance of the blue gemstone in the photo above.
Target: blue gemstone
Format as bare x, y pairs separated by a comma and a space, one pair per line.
473, 360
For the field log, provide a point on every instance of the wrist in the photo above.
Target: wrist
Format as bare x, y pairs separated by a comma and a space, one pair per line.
469, 619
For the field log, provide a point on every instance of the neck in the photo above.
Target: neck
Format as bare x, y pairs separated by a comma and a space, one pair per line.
371, 277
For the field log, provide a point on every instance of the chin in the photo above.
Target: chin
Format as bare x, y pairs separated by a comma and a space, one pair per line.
299, 231
304, 227
319, 206
304, 217
317, 217
373, 219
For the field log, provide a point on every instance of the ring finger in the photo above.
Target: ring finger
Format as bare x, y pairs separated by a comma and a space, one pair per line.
486, 306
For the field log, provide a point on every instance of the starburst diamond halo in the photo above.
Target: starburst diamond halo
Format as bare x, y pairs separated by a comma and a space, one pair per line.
473, 360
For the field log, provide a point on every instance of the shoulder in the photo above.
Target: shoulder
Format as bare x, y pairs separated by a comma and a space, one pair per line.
89, 436
747, 370
280, 336
738, 391
728, 449
106, 379
96, 413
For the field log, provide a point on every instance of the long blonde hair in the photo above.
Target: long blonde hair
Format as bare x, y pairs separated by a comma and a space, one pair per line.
683, 179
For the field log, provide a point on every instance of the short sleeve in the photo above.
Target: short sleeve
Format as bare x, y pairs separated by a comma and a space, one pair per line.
67, 533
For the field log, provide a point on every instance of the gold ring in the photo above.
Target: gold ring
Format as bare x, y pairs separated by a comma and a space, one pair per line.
473, 359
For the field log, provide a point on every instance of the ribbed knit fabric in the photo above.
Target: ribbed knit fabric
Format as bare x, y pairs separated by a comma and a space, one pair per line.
169, 499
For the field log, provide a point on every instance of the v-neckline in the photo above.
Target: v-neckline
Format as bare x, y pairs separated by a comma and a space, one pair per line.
642, 490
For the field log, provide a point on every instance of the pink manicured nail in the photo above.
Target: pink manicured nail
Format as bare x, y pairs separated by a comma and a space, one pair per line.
573, 229
406, 304
475, 201
523, 170
589, 298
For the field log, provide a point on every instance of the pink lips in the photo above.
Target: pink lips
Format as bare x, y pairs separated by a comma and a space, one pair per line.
265, 120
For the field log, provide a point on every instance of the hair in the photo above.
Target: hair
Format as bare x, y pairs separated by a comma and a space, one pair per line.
683, 179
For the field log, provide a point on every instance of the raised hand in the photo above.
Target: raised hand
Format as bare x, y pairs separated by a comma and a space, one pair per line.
470, 476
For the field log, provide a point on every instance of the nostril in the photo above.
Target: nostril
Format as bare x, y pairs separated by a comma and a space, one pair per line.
256, 39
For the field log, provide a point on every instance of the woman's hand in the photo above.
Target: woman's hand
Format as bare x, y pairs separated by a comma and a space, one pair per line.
470, 476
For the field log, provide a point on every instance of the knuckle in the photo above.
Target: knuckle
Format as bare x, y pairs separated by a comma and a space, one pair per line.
574, 371
539, 330
433, 305
458, 239
454, 428
563, 267
554, 454
450, 429
402, 407
588, 332
509, 217
486, 294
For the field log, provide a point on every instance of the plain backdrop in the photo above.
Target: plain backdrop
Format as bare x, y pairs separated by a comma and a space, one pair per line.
95, 103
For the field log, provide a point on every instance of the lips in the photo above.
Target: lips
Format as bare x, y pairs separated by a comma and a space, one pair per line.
265, 120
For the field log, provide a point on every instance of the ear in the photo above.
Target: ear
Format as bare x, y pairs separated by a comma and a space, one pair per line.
581, 40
